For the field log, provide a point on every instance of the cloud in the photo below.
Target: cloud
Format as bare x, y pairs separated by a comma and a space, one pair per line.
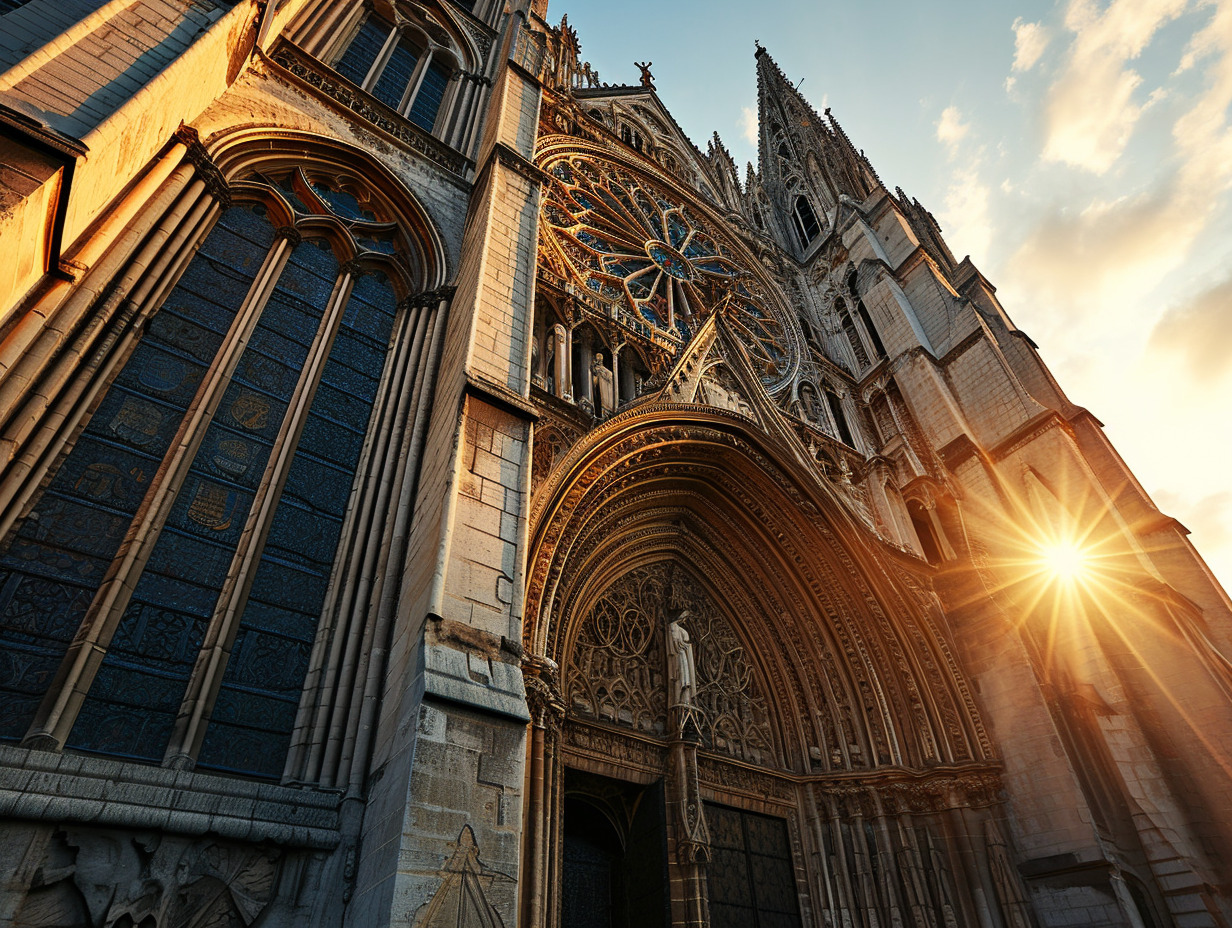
1094, 262
966, 216
951, 129
1030, 41
1200, 332
748, 124
1091, 110
1210, 521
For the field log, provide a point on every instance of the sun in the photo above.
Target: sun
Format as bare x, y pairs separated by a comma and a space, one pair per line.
1065, 561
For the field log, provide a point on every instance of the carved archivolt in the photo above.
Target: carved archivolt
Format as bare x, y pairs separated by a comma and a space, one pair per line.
857, 672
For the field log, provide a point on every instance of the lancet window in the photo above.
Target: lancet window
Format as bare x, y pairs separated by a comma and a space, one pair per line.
840, 419
399, 66
867, 320
807, 226
161, 599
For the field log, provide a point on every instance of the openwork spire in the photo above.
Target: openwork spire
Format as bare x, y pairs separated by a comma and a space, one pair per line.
801, 152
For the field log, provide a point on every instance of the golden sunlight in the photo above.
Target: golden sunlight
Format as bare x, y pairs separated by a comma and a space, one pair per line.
1066, 560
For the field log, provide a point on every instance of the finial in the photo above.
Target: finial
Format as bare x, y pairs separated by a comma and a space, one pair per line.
647, 77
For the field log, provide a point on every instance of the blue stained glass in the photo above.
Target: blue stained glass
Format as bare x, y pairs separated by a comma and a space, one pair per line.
250, 729
677, 230
158, 636
428, 100
390, 87
54, 566
362, 51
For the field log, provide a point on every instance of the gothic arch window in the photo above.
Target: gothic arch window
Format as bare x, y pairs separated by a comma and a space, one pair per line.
853, 336
840, 418
399, 66
871, 329
185, 545
807, 226
922, 524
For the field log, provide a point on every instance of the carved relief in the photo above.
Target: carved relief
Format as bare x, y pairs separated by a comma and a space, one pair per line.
462, 899
616, 670
105, 880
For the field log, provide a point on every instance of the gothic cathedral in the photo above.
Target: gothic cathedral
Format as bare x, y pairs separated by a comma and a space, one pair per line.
435, 492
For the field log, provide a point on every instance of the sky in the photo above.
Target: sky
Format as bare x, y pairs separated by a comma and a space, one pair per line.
1080, 151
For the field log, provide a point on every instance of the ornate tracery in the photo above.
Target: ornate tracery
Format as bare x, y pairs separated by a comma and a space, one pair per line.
634, 244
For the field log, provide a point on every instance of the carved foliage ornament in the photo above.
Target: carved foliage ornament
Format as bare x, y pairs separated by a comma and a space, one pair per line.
633, 244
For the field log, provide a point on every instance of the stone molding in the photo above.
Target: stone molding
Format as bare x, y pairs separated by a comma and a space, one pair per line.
46, 786
316, 76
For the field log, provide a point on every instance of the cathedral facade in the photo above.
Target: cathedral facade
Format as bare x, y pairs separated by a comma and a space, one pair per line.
436, 492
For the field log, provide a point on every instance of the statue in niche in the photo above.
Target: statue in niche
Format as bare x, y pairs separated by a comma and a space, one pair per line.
605, 387
681, 666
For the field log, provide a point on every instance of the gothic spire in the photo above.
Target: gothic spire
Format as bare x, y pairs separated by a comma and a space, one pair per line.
802, 153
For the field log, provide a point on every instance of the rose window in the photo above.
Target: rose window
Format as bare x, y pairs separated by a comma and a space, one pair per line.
626, 242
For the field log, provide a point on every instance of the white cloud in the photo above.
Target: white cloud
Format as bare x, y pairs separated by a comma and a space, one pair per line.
966, 217
1092, 108
951, 129
1030, 42
748, 124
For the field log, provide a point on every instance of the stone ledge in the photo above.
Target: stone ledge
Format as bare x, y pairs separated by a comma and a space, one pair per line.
50, 787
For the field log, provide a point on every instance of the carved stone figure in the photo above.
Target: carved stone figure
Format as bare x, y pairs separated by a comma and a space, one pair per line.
683, 671
605, 387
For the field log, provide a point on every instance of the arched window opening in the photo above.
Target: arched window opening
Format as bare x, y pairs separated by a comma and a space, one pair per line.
398, 67
871, 329
807, 227
840, 420
195, 524
853, 337
923, 526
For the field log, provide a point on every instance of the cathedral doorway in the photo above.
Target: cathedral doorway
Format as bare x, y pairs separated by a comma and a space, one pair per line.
614, 867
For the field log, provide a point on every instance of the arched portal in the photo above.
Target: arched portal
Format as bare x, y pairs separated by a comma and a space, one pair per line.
705, 615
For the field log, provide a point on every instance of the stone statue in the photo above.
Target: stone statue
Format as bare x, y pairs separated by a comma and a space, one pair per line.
682, 668
605, 387
647, 77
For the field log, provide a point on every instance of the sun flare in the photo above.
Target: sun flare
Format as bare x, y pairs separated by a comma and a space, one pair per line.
1066, 561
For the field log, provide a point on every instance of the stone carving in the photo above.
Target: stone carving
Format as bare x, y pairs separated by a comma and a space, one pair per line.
683, 671
462, 899
307, 70
104, 880
615, 669
605, 387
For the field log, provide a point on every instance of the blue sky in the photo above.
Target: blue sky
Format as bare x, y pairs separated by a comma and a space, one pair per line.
1080, 151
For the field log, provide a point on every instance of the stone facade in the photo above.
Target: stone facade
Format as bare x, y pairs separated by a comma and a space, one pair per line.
436, 492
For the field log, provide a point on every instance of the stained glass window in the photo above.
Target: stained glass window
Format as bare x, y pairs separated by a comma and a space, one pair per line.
251, 724
53, 569
56, 563
431, 93
631, 244
134, 700
750, 878
398, 73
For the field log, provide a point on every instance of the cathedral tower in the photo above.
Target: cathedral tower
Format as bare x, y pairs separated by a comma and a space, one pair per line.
436, 492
